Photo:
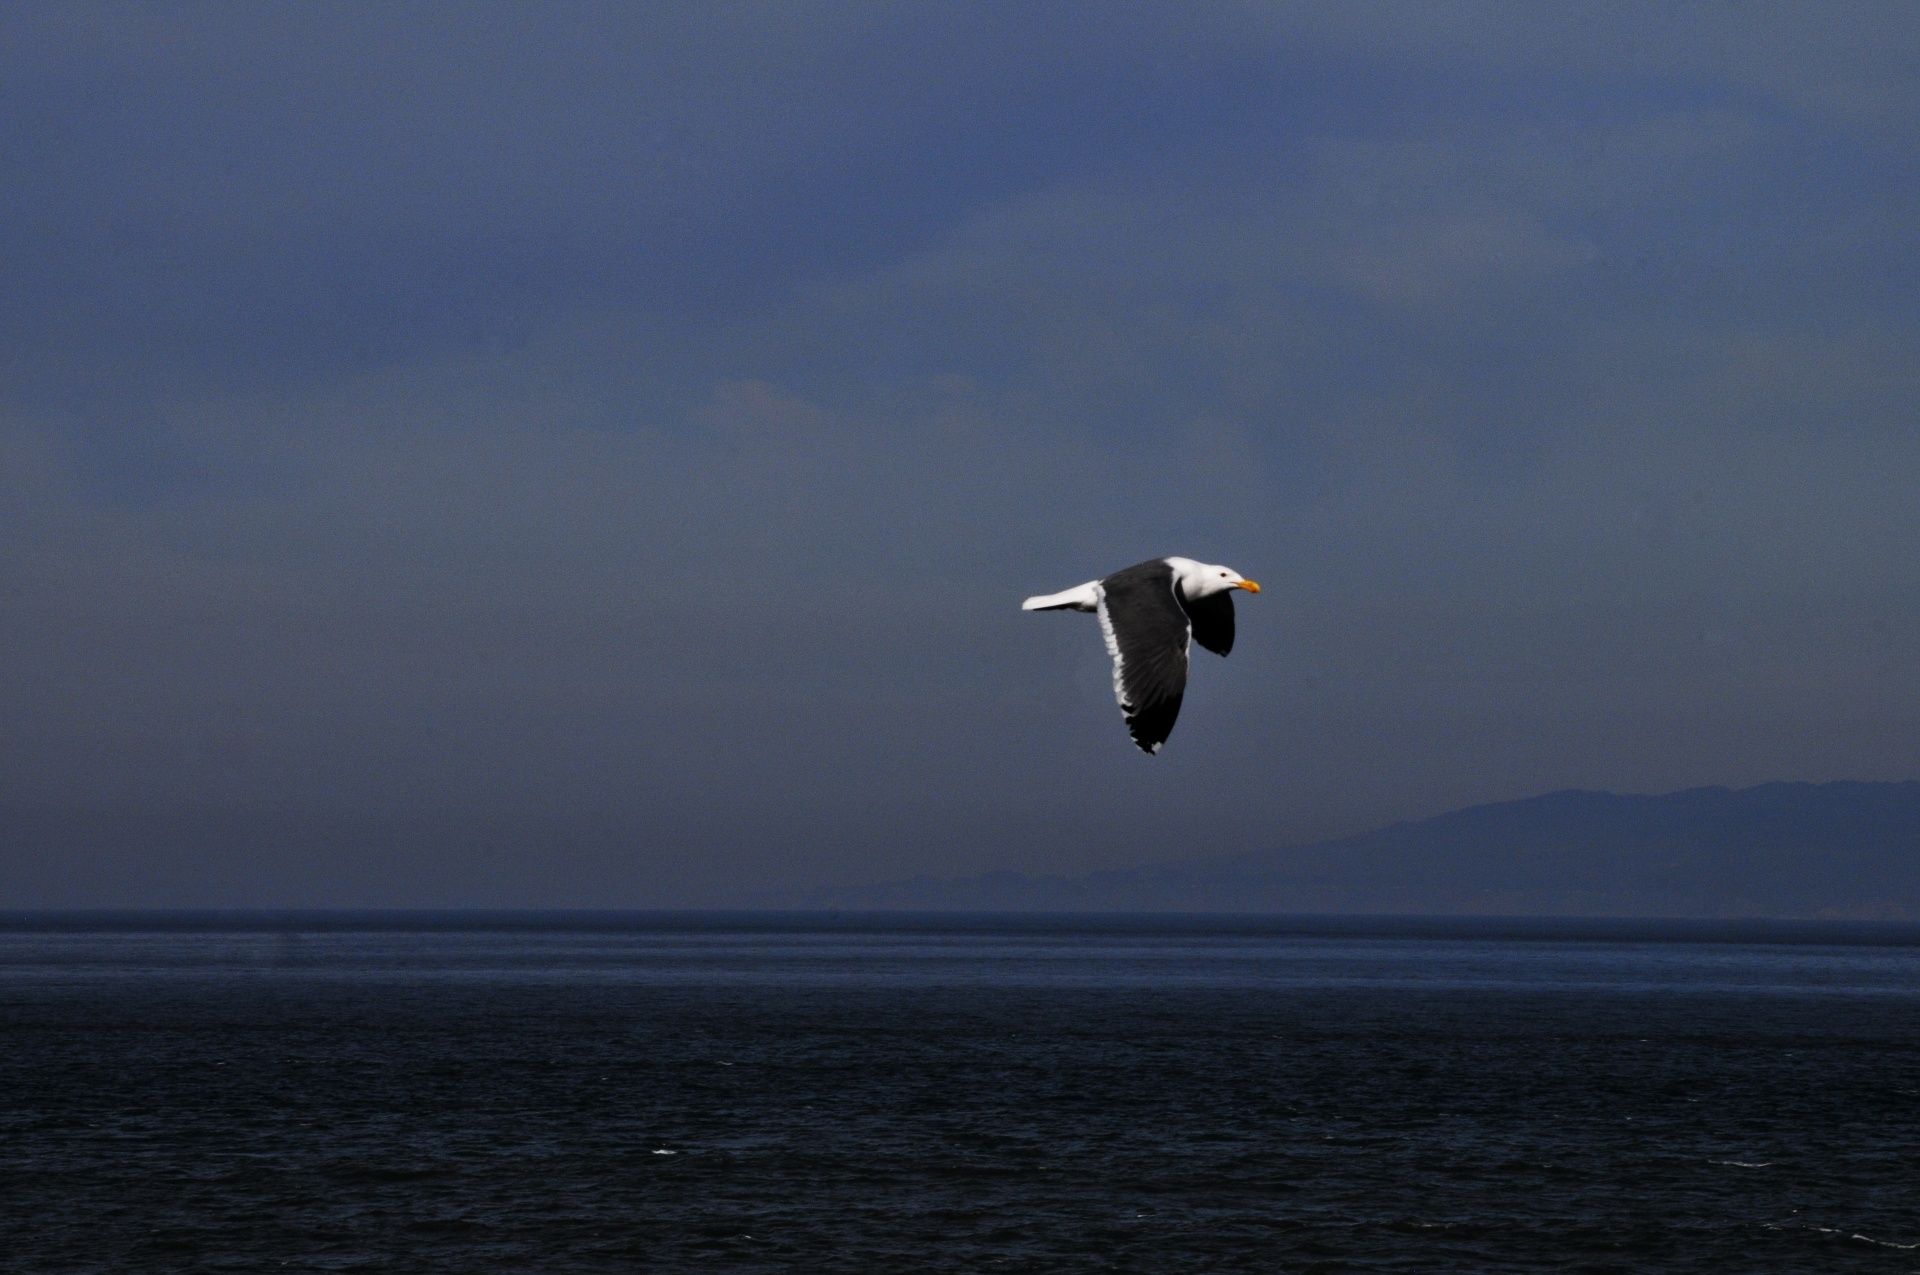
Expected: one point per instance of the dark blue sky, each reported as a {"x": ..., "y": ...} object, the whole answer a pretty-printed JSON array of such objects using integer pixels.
[{"x": 654, "y": 415}]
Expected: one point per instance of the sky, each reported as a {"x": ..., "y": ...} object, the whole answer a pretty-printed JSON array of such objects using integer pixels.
[{"x": 609, "y": 444}]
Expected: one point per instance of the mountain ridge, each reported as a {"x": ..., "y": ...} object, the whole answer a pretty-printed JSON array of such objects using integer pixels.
[{"x": 1844, "y": 849}]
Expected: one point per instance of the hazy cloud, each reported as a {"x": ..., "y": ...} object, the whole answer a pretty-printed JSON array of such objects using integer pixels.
[{"x": 656, "y": 415}]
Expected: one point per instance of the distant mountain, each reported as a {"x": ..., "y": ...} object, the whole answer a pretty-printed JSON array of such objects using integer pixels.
[{"x": 1778, "y": 850}]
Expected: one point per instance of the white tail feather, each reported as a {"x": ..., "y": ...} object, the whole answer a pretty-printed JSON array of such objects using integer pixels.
[{"x": 1082, "y": 597}]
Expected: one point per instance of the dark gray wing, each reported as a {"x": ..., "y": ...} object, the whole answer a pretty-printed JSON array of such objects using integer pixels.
[
  {"x": 1147, "y": 634},
  {"x": 1212, "y": 618}
]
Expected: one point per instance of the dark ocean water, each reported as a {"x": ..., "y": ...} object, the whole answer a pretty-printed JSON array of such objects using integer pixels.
[{"x": 645, "y": 1093}]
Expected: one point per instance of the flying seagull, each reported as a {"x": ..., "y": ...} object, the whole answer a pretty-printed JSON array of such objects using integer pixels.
[{"x": 1151, "y": 615}]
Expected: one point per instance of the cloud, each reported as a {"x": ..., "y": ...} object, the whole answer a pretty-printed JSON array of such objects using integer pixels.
[{"x": 660, "y": 414}]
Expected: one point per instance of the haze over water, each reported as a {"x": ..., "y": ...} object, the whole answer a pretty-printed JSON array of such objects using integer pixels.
[{"x": 754, "y": 1093}]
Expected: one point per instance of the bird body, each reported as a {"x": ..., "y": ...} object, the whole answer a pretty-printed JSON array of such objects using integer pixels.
[{"x": 1151, "y": 614}]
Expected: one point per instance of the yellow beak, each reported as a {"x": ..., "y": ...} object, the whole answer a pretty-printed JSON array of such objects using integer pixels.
[{"x": 1251, "y": 586}]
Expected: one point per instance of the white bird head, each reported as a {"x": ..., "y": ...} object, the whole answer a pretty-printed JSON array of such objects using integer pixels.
[{"x": 1204, "y": 579}]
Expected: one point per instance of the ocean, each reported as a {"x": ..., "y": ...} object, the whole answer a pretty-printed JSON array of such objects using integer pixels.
[{"x": 755, "y": 1092}]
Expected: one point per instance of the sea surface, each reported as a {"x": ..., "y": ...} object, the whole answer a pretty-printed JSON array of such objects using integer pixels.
[{"x": 754, "y": 1092}]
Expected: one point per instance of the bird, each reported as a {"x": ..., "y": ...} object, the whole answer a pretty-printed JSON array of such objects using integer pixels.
[{"x": 1151, "y": 614}]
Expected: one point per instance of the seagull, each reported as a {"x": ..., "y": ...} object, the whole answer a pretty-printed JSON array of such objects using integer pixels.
[{"x": 1151, "y": 614}]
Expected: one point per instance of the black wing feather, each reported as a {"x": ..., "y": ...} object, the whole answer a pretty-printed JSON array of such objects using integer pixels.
[
  {"x": 1212, "y": 618},
  {"x": 1148, "y": 633}
]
